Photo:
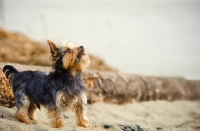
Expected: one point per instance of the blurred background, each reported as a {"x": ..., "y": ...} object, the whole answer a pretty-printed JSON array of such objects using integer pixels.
[{"x": 156, "y": 38}]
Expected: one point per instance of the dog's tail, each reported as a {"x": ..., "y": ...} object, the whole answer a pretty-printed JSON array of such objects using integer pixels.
[{"x": 9, "y": 71}]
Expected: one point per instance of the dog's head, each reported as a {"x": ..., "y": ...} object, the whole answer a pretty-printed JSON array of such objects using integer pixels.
[{"x": 69, "y": 56}]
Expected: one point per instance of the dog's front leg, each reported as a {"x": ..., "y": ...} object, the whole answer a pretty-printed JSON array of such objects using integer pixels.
[
  {"x": 79, "y": 109},
  {"x": 56, "y": 117}
]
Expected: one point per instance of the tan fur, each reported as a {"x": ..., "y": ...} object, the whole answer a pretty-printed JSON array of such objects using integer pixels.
[
  {"x": 22, "y": 116},
  {"x": 81, "y": 119},
  {"x": 22, "y": 113},
  {"x": 67, "y": 60},
  {"x": 52, "y": 46},
  {"x": 56, "y": 117},
  {"x": 32, "y": 113}
]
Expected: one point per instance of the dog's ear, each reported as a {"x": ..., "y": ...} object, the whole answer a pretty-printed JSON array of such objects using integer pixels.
[{"x": 52, "y": 47}]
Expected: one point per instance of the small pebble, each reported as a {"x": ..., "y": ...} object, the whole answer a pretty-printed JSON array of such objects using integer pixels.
[
  {"x": 158, "y": 128},
  {"x": 107, "y": 126}
]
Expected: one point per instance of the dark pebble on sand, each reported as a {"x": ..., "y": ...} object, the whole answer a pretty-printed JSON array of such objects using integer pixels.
[
  {"x": 158, "y": 128},
  {"x": 107, "y": 126}
]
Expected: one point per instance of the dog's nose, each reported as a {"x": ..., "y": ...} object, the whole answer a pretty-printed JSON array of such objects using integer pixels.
[{"x": 81, "y": 47}]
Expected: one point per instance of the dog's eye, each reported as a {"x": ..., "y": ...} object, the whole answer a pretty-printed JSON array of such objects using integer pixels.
[{"x": 68, "y": 50}]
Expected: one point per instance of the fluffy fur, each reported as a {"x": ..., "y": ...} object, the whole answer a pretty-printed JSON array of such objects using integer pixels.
[{"x": 58, "y": 91}]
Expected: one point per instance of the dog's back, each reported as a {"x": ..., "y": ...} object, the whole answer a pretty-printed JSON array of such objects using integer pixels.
[{"x": 22, "y": 79}]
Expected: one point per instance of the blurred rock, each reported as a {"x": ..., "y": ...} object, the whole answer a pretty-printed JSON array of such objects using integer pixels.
[
  {"x": 18, "y": 48},
  {"x": 6, "y": 95},
  {"x": 118, "y": 87}
]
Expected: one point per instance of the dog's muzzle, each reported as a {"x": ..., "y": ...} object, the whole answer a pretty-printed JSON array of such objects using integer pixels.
[{"x": 81, "y": 52}]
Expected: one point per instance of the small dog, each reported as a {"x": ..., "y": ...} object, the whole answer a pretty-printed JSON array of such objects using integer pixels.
[{"x": 61, "y": 89}]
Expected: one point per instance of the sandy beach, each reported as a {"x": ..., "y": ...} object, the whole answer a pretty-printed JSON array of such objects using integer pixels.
[{"x": 150, "y": 116}]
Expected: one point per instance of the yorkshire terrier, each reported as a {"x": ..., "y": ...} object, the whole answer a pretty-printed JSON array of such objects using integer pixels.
[{"x": 61, "y": 89}]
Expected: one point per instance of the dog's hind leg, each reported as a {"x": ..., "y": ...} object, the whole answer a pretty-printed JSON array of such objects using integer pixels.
[
  {"x": 32, "y": 113},
  {"x": 56, "y": 117},
  {"x": 22, "y": 104},
  {"x": 81, "y": 119}
]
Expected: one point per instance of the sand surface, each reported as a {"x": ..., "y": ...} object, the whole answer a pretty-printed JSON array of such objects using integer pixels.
[{"x": 150, "y": 116}]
